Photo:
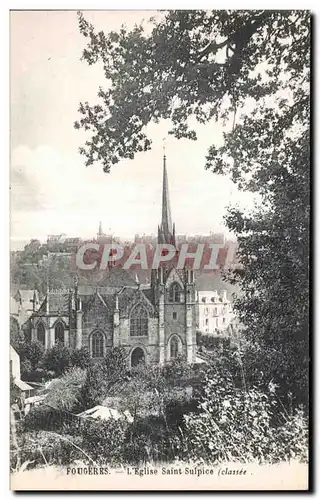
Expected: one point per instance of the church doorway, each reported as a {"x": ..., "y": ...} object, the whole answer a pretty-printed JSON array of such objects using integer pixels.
[{"x": 137, "y": 357}]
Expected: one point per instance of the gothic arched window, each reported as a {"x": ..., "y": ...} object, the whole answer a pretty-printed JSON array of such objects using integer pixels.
[
  {"x": 97, "y": 345},
  {"x": 137, "y": 357},
  {"x": 41, "y": 334},
  {"x": 175, "y": 292},
  {"x": 139, "y": 322},
  {"x": 59, "y": 333},
  {"x": 174, "y": 347}
]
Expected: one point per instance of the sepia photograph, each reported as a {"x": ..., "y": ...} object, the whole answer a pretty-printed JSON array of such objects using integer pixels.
[{"x": 159, "y": 250}]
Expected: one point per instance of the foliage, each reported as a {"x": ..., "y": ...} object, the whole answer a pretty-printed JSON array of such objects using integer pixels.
[
  {"x": 212, "y": 342},
  {"x": 148, "y": 441},
  {"x": 80, "y": 357},
  {"x": 159, "y": 391},
  {"x": 32, "y": 351},
  {"x": 104, "y": 377},
  {"x": 104, "y": 440},
  {"x": 43, "y": 417},
  {"x": 202, "y": 64},
  {"x": 114, "y": 367},
  {"x": 25, "y": 368},
  {"x": 252, "y": 365},
  {"x": 40, "y": 448},
  {"x": 92, "y": 392},
  {"x": 15, "y": 332},
  {"x": 249, "y": 70},
  {"x": 32, "y": 267},
  {"x": 57, "y": 359},
  {"x": 38, "y": 375},
  {"x": 65, "y": 392},
  {"x": 240, "y": 425}
]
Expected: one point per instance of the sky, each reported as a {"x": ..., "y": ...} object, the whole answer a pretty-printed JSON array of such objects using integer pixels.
[{"x": 52, "y": 191}]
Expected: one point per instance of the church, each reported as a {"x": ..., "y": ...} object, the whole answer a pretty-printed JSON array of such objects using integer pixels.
[{"x": 154, "y": 323}]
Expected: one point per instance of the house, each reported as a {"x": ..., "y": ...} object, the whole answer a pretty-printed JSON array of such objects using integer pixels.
[
  {"x": 24, "y": 388},
  {"x": 215, "y": 312}
]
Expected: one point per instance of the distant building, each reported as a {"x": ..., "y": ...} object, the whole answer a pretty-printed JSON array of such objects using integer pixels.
[
  {"x": 22, "y": 305},
  {"x": 214, "y": 312},
  {"x": 100, "y": 234},
  {"x": 27, "y": 300}
]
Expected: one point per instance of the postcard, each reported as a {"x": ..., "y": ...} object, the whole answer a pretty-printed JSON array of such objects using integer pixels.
[{"x": 159, "y": 250}]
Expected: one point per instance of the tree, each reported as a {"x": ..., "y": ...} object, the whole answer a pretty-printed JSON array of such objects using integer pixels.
[
  {"x": 114, "y": 368},
  {"x": 250, "y": 70},
  {"x": 92, "y": 392},
  {"x": 104, "y": 378},
  {"x": 30, "y": 351}
]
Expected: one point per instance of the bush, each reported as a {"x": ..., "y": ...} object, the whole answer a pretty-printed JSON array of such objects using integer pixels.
[
  {"x": 43, "y": 417},
  {"x": 31, "y": 351},
  {"x": 149, "y": 440},
  {"x": 92, "y": 391},
  {"x": 25, "y": 368},
  {"x": 65, "y": 393},
  {"x": 239, "y": 425},
  {"x": 41, "y": 448},
  {"x": 104, "y": 440},
  {"x": 80, "y": 357},
  {"x": 39, "y": 375},
  {"x": 57, "y": 359},
  {"x": 103, "y": 378}
]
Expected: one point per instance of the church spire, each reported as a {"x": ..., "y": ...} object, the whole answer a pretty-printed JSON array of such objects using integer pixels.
[
  {"x": 165, "y": 230},
  {"x": 166, "y": 211}
]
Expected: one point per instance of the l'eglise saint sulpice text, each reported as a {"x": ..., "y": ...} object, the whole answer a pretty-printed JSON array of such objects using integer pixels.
[{"x": 170, "y": 471}]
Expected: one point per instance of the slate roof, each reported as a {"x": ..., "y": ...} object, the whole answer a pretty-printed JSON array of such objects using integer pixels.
[
  {"x": 116, "y": 277},
  {"x": 25, "y": 298},
  {"x": 213, "y": 281},
  {"x": 58, "y": 303},
  {"x": 149, "y": 294},
  {"x": 126, "y": 297}
]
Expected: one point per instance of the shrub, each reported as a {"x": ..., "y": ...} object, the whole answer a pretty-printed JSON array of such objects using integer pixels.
[
  {"x": 41, "y": 448},
  {"x": 65, "y": 392},
  {"x": 80, "y": 357},
  {"x": 31, "y": 351},
  {"x": 57, "y": 359},
  {"x": 104, "y": 440},
  {"x": 239, "y": 425},
  {"x": 92, "y": 391},
  {"x": 43, "y": 417},
  {"x": 149, "y": 440},
  {"x": 38, "y": 375},
  {"x": 25, "y": 368},
  {"x": 103, "y": 378}
]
